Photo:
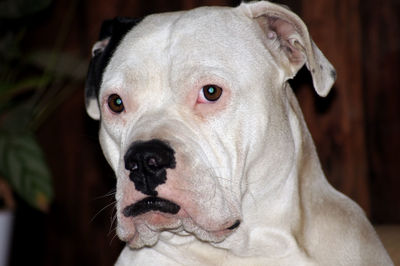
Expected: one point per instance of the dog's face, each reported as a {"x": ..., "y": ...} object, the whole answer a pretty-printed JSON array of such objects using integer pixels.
[{"x": 185, "y": 101}]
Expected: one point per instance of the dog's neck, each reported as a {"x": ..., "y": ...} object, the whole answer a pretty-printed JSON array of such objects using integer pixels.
[{"x": 265, "y": 230}]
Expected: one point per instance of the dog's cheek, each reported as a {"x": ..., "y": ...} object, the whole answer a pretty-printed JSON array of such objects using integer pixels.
[
  {"x": 110, "y": 147},
  {"x": 125, "y": 195}
]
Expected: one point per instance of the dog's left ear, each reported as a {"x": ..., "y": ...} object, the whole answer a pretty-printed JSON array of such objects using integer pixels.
[
  {"x": 288, "y": 39},
  {"x": 111, "y": 34}
]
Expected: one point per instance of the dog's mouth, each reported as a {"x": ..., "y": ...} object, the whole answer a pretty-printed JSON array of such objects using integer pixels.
[
  {"x": 151, "y": 204},
  {"x": 152, "y": 215}
]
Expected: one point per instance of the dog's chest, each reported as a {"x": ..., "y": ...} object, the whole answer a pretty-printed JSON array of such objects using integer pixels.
[{"x": 198, "y": 253}]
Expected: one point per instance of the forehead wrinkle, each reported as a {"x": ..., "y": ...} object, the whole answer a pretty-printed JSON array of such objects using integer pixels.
[{"x": 218, "y": 48}]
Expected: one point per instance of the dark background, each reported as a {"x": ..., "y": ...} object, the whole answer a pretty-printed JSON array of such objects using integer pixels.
[{"x": 356, "y": 128}]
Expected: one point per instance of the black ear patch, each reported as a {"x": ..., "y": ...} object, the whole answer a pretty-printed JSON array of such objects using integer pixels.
[{"x": 111, "y": 34}]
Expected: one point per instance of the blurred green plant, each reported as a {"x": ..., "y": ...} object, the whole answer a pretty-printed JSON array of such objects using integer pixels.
[{"x": 32, "y": 85}]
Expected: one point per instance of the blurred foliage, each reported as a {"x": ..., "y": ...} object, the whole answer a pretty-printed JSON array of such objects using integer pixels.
[
  {"x": 32, "y": 85},
  {"x": 12, "y": 9}
]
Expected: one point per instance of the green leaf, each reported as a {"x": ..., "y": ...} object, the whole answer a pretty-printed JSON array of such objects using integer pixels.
[
  {"x": 23, "y": 165},
  {"x": 16, "y": 119},
  {"x": 61, "y": 64},
  {"x": 10, "y": 45},
  {"x": 12, "y": 9},
  {"x": 8, "y": 90}
]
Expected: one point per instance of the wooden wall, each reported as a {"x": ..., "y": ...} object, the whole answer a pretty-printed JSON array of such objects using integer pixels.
[
  {"x": 356, "y": 128},
  {"x": 338, "y": 129},
  {"x": 380, "y": 47}
]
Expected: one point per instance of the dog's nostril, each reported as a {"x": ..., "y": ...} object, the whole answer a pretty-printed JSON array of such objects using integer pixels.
[
  {"x": 134, "y": 166},
  {"x": 152, "y": 162}
]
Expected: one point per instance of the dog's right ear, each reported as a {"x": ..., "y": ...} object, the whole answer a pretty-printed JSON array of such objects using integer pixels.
[
  {"x": 111, "y": 34},
  {"x": 288, "y": 39}
]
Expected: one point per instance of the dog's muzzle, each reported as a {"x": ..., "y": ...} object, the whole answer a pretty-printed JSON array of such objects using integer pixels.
[{"x": 147, "y": 162}]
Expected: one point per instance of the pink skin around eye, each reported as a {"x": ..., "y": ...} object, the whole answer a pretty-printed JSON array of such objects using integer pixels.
[{"x": 201, "y": 98}]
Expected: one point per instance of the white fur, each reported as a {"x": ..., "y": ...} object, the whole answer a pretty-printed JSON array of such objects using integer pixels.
[{"x": 247, "y": 157}]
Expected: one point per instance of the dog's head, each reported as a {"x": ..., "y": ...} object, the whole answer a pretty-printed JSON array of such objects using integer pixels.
[{"x": 186, "y": 102}]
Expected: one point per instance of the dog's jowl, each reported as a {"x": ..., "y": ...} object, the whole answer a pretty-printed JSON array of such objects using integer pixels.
[{"x": 214, "y": 162}]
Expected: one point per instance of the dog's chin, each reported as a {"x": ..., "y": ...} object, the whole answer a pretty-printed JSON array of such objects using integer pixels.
[{"x": 145, "y": 229}]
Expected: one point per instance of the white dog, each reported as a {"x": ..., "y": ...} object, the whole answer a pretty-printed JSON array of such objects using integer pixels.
[{"x": 214, "y": 162}]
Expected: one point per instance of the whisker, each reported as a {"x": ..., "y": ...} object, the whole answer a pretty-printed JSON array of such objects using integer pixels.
[
  {"x": 115, "y": 235},
  {"x": 105, "y": 207},
  {"x": 109, "y": 194},
  {"x": 113, "y": 219}
]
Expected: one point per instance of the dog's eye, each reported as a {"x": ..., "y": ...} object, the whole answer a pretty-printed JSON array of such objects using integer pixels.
[
  {"x": 115, "y": 103},
  {"x": 210, "y": 93}
]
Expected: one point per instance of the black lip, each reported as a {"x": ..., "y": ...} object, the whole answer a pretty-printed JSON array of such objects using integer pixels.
[
  {"x": 151, "y": 204},
  {"x": 235, "y": 225}
]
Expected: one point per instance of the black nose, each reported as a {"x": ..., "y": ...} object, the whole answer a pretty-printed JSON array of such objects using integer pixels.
[{"x": 147, "y": 162}]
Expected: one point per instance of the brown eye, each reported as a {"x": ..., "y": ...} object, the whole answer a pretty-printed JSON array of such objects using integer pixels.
[
  {"x": 212, "y": 92},
  {"x": 115, "y": 103}
]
